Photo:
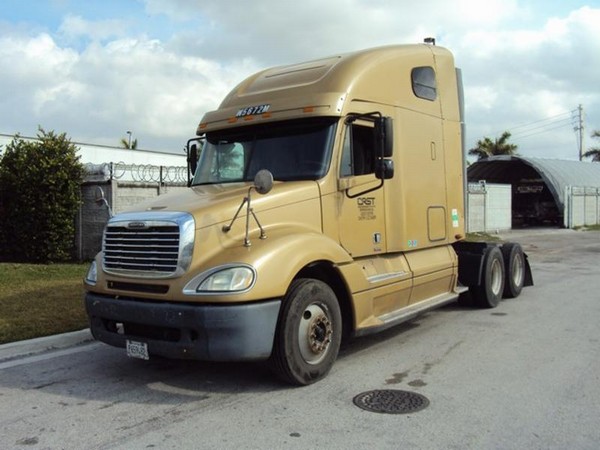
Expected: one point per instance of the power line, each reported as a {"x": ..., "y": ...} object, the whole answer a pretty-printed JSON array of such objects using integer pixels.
[
  {"x": 543, "y": 129},
  {"x": 573, "y": 119},
  {"x": 541, "y": 125},
  {"x": 547, "y": 119}
]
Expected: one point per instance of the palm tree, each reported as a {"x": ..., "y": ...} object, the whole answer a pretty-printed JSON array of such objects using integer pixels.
[
  {"x": 593, "y": 152},
  {"x": 486, "y": 147},
  {"x": 125, "y": 143}
]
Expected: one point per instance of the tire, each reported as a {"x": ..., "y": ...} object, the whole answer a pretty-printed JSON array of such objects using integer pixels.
[
  {"x": 466, "y": 300},
  {"x": 308, "y": 334},
  {"x": 489, "y": 293},
  {"x": 514, "y": 267}
]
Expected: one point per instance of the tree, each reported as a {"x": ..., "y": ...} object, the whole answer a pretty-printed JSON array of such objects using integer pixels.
[
  {"x": 500, "y": 146},
  {"x": 593, "y": 152},
  {"x": 125, "y": 144},
  {"x": 39, "y": 196}
]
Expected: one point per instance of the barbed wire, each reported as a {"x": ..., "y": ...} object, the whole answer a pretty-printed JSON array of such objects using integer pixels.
[{"x": 147, "y": 173}]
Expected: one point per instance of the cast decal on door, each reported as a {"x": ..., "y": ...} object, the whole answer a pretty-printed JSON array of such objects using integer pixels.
[{"x": 366, "y": 208}]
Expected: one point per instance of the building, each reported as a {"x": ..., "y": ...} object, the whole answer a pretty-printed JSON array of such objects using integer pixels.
[
  {"x": 549, "y": 192},
  {"x": 105, "y": 154}
]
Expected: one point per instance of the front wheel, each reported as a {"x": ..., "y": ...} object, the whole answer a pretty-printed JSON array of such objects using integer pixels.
[{"x": 308, "y": 334}]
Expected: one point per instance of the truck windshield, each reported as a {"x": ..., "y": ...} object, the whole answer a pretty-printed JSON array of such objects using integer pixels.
[{"x": 291, "y": 150}]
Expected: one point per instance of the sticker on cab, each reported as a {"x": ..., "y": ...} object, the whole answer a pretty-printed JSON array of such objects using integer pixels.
[{"x": 455, "y": 218}]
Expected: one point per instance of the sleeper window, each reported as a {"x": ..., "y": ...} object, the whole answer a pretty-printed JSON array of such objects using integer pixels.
[{"x": 423, "y": 83}]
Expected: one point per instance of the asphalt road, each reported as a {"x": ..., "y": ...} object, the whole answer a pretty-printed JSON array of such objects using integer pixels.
[{"x": 525, "y": 375}]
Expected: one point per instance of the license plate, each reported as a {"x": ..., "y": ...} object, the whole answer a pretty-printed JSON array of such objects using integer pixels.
[{"x": 137, "y": 350}]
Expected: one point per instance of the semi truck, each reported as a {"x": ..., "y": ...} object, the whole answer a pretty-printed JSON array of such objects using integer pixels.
[{"x": 325, "y": 202}]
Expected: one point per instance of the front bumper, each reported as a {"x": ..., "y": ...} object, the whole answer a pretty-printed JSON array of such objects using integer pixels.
[{"x": 205, "y": 332}]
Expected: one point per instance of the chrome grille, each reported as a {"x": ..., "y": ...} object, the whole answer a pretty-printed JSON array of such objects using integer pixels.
[
  {"x": 148, "y": 244},
  {"x": 153, "y": 249}
]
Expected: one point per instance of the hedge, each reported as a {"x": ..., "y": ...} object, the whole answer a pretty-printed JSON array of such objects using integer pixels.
[{"x": 39, "y": 198}]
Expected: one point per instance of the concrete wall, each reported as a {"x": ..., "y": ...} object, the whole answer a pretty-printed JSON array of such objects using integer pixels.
[
  {"x": 582, "y": 206},
  {"x": 489, "y": 207}
]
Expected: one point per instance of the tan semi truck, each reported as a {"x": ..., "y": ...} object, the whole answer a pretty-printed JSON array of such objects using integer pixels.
[{"x": 326, "y": 201}]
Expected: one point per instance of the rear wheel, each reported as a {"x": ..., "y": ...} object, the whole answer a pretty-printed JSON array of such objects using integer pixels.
[
  {"x": 489, "y": 293},
  {"x": 466, "y": 299},
  {"x": 514, "y": 266},
  {"x": 308, "y": 334}
]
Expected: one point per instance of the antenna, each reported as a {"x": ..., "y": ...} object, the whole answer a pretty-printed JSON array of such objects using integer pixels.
[{"x": 429, "y": 40}]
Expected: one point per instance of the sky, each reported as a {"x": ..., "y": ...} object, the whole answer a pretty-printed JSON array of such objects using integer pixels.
[{"x": 96, "y": 69}]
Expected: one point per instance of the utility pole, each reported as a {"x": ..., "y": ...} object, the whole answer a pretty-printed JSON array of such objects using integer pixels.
[{"x": 580, "y": 129}]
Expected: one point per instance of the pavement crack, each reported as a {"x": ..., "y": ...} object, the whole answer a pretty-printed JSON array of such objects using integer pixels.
[{"x": 45, "y": 385}]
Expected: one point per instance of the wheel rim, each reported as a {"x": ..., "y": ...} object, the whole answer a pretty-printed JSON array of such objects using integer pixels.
[
  {"x": 496, "y": 273},
  {"x": 517, "y": 270},
  {"x": 314, "y": 333}
]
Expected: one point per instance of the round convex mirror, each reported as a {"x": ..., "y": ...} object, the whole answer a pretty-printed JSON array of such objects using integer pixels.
[{"x": 263, "y": 181}]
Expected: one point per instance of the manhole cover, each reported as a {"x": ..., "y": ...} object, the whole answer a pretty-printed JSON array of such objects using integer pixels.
[{"x": 391, "y": 401}]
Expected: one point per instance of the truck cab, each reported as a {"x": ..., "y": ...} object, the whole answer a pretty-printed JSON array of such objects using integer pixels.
[{"x": 326, "y": 201}]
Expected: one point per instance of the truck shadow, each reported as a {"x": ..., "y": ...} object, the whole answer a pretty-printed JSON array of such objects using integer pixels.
[{"x": 96, "y": 372}]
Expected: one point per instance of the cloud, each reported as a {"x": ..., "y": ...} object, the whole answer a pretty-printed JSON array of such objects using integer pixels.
[
  {"x": 37, "y": 72},
  {"x": 282, "y": 31},
  {"x": 74, "y": 27},
  {"x": 534, "y": 74},
  {"x": 99, "y": 93},
  {"x": 95, "y": 79},
  {"x": 179, "y": 10}
]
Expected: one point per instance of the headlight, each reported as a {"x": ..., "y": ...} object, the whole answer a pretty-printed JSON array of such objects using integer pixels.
[
  {"x": 224, "y": 279},
  {"x": 92, "y": 275}
]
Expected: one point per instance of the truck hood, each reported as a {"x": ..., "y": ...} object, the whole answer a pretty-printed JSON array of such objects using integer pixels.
[{"x": 218, "y": 203}]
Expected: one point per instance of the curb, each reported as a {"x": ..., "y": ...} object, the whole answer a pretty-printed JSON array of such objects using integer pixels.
[{"x": 30, "y": 347}]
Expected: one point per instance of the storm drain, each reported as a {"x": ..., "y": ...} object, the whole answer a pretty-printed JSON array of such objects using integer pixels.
[{"x": 391, "y": 401}]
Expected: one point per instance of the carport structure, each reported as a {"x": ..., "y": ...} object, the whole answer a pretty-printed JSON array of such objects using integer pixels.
[{"x": 545, "y": 191}]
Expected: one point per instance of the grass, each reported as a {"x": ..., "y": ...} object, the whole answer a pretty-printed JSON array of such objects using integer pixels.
[{"x": 40, "y": 300}]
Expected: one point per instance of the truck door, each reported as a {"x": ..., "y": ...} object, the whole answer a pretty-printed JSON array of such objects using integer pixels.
[{"x": 362, "y": 221}]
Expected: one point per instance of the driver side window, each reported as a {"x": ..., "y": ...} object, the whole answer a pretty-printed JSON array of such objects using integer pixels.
[
  {"x": 358, "y": 153},
  {"x": 228, "y": 163}
]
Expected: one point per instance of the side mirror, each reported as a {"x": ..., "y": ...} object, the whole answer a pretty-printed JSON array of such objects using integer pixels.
[
  {"x": 263, "y": 181},
  {"x": 384, "y": 135},
  {"x": 192, "y": 158},
  {"x": 384, "y": 169},
  {"x": 193, "y": 149}
]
